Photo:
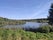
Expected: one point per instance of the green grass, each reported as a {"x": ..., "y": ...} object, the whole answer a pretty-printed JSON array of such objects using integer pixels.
[{"x": 18, "y": 34}]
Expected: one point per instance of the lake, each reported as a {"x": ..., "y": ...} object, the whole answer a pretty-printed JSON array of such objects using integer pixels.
[{"x": 27, "y": 25}]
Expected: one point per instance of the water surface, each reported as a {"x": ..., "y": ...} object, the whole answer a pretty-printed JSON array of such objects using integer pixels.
[{"x": 27, "y": 25}]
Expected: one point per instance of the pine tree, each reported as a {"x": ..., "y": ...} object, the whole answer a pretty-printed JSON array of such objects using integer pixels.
[{"x": 51, "y": 15}]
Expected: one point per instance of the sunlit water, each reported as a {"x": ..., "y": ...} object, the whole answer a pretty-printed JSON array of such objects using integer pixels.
[{"x": 27, "y": 25}]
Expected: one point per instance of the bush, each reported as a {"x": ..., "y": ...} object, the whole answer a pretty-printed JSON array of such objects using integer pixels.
[
  {"x": 51, "y": 29},
  {"x": 44, "y": 29}
]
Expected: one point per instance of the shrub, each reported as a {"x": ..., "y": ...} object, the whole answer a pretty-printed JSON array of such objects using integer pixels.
[
  {"x": 44, "y": 29},
  {"x": 51, "y": 29}
]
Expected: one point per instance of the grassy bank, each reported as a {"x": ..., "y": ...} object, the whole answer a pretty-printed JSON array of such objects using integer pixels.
[{"x": 18, "y": 34}]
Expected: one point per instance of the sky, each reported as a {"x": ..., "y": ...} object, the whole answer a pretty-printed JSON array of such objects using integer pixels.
[{"x": 24, "y": 9}]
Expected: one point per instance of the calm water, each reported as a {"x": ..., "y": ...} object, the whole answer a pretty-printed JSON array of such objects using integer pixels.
[{"x": 27, "y": 25}]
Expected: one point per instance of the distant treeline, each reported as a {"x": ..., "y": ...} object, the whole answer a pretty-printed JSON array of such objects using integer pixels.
[
  {"x": 6, "y": 21},
  {"x": 37, "y": 20}
]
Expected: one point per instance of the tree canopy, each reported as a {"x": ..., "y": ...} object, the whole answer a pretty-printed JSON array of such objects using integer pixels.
[{"x": 51, "y": 15}]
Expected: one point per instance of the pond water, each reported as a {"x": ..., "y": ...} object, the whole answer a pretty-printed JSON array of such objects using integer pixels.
[
  {"x": 27, "y": 25},
  {"x": 34, "y": 25}
]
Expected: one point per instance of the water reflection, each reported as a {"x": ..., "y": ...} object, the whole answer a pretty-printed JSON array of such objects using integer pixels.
[
  {"x": 27, "y": 25},
  {"x": 33, "y": 25}
]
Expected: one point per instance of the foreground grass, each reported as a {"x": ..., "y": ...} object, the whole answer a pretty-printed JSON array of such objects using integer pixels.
[{"x": 14, "y": 34}]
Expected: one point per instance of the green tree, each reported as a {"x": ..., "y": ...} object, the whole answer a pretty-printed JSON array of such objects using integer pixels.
[{"x": 51, "y": 15}]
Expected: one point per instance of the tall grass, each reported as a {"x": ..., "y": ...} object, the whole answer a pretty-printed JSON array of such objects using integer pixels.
[{"x": 18, "y": 34}]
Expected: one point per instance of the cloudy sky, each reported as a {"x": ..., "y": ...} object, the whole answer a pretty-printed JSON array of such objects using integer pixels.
[{"x": 24, "y": 9}]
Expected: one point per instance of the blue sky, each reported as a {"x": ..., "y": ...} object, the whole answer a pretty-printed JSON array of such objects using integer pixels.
[{"x": 24, "y": 9}]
